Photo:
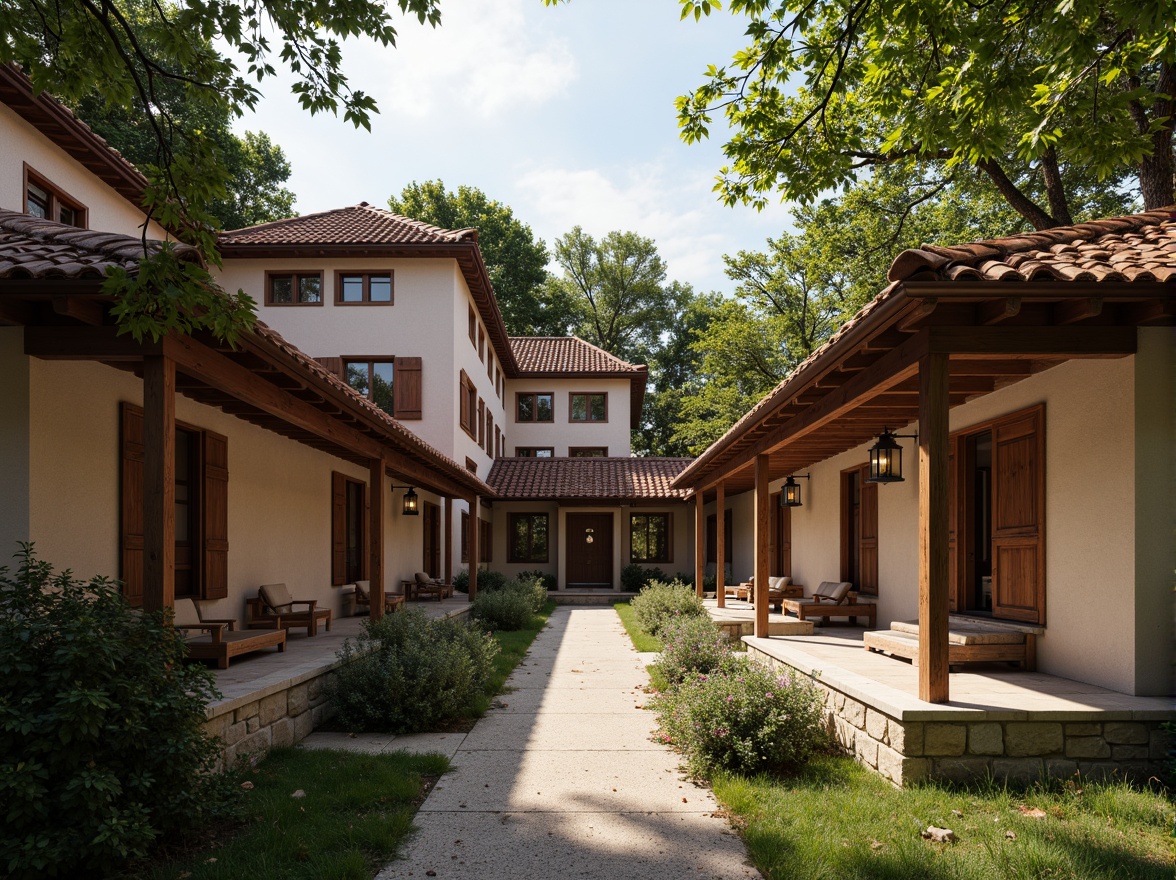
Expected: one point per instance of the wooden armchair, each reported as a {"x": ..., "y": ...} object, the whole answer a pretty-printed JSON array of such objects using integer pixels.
[
  {"x": 431, "y": 586},
  {"x": 274, "y": 607},
  {"x": 220, "y": 640},
  {"x": 832, "y": 599},
  {"x": 363, "y": 598}
]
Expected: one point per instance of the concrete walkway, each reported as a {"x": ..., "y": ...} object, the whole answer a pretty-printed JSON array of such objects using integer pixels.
[{"x": 561, "y": 779}]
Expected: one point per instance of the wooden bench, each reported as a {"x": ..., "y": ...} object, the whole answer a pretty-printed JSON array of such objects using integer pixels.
[
  {"x": 965, "y": 644},
  {"x": 805, "y": 609}
]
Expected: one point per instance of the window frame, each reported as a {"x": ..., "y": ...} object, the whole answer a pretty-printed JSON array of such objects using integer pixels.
[
  {"x": 348, "y": 360},
  {"x": 519, "y": 395},
  {"x": 367, "y": 275},
  {"x": 667, "y": 550},
  {"x": 467, "y": 404},
  {"x": 520, "y": 451},
  {"x": 512, "y": 518},
  {"x": 57, "y": 197},
  {"x": 295, "y": 274},
  {"x": 473, "y": 320},
  {"x": 586, "y": 451},
  {"x": 588, "y": 409}
]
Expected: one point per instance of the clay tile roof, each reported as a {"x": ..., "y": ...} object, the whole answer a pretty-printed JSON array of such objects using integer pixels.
[
  {"x": 34, "y": 248},
  {"x": 1141, "y": 247},
  {"x": 604, "y": 478},
  {"x": 355, "y": 225},
  {"x": 565, "y": 354}
]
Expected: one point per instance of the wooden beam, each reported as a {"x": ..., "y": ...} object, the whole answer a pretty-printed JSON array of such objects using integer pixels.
[
  {"x": 1067, "y": 341},
  {"x": 997, "y": 310},
  {"x": 763, "y": 548},
  {"x": 159, "y": 483},
  {"x": 909, "y": 322},
  {"x": 699, "y": 542},
  {"x": 88, "y": 311},
  {"x": 1074, "y": 310},
  {"x": 473, "y": 539},
  {"x": 720, "y": 544},
  {"x": 376, "y": 505},
  {"x": 447, "y": 512},
  {"x": 933, "y": 528},
  {"x": 86, "y": 344}
]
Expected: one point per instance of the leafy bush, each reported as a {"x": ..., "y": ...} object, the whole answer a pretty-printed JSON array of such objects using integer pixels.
[
  {"x": 548, "y": 580},
  {"x": 510, "y": 608},
  {"x": 660, "y": 603},
  {"x": 406, "y": 673},
  {"x": 743, "y": 717},
  {"x": 487, "y": 580},
  {"x": 102, "y": 743},
  {"x": 461, "y": 581},
  {"x": 636, "y": 577},
  {"x": 691, "y": 645}
]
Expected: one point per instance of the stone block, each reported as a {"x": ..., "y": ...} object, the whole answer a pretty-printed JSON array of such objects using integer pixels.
[
  {"x": 246, "y": 711},
  {"x": 1059, "y": 768},
  {"x": 838, "y": 700},
  {"x": 314, "y": 687},
  {"x": 876, "y": 725},
  {"x": 257, "y": 743},
  {"x": 1098, "y": 770},
  {"x": 235, "y": 733},
  {"x": 845, "y": 733},
  {"x": 959, "y": 769},
  {"x": 215, "y": 727},
  {"x": 866, "y": 750},
  {"x": 1129, "y": 753},
  {"x": 905, "y": 737},
  {"x": 944, "y": 739},
  {"x": 1158, "y": 745},
  {"x": 855, "y": 713},
  {"x": 985, "y": 738},
  {"x": 1033, "y": 738},
  {"x": 1125, "y": 733},
  {"x": 253, "y": 724},
  {"x": 303, "y": 725},
  {"x": 1018, "y": 771},
  {"x": 297, "y": 700},
  {"x": 273, "y": 707},
  {"x": 1091, "y": 747},
  {"x": 282, "y": 733},
  {"x": 900, "y": 769},
  {"x": 1089, "y": 728}
]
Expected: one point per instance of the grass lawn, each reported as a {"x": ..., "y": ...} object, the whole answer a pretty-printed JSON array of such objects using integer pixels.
[
  {"x": 355, "y": 812},
  {"x": 642, "y": 640},
  {"x": 838, "y": 820}
]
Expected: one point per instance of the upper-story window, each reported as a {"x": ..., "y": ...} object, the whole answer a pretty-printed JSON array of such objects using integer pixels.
[
  {"x": 587, "y": 452},
  {"x": 293, "y": 288},
  {"x": 473, "y": 327},
  {"x": 468, "y": 402},
  {"x": 373, "y": 379},
  {"x": 43, "y": 199},
  {"x": 535, "y": 407},
  {"x": 481, "y": 344},
  {"x": 534, "y": 452},
  {"x": 363, "y": 288},
  {"x": 589, "y": 408}
]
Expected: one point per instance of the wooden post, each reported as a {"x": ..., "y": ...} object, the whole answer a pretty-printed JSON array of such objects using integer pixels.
[
  {"x": 376, "y": 536},
  {"x": 933, "y": 514},
  {"x": 475, "y": 551},
  {"x": 699, "y": 543},
  {"x": 159, "y": 483},
  {"x": 720, "y": 545},
  {"x": 763, "y": 546},
  {"x": 447, "y": 512}
]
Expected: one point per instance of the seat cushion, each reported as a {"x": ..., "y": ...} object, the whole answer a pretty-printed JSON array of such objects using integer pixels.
[
  {"x": 833, "y": 590},
  {"x": 779, "y": 583},
  {"x": 186, "y": 613},
  {"x": 277, "y": 597},
  {"x": 363, "y": 591}
]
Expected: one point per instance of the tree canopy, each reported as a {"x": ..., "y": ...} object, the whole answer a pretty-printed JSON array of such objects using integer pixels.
[
  {"x": 1042, "y": 101},
  {"x": 515, "y": 259}
]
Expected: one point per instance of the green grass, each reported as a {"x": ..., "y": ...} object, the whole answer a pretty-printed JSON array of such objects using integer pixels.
[
  {"x": 839, "y": 820},
  {"x": 514, "y": 647},
  {"x": 642, "y": 640},
  {"x": 356, "y": 811}
]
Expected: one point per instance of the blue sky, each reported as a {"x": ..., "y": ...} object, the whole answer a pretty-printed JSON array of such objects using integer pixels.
[{"x": 566, "y": 114}]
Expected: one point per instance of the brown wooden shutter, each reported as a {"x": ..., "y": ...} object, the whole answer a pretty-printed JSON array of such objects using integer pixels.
[
  {"x": 954, "y": 483},
  {"x": 214, "y": 572},
  {"x": 335, "y": 365},
  {"x": 784, "y": 542},
  {"x": 1018, "y": 516},
  {"x": 338, "y": 528},
  {"x": 131, "y": 504},
  {"x": 868, "y": 546},
  {"x": 406, "y": 385}
]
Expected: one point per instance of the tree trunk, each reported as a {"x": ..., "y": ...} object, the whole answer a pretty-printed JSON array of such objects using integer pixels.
[
  {"x": 1017, "y": 200},
  {"x": 1059, "y": 205},
  {"x": 1155, "y": 171}
]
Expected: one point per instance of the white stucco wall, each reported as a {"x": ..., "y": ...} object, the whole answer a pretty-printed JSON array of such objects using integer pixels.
[{"x": 562, "y": 433}]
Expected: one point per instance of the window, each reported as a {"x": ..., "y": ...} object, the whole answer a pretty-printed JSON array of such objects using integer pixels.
[
  {"x": 490, "y": 429},
  {"x": 468, "y": 401},
  {"x": 589, "y": 407},
  {"x": 471, "y": 465},
  {"x": 348, "y": 511},
  {"x": 481, "y": 426},
  {"x": 587, "y": 452},
  {"x": 528, "y": 537},
  {"x": 473, "y": 319},
  {"x": 293, "y": 288},
  {"x": 497, "y": 441},
  {"x": 651, "y": 537},
  {"x": 363, "y": 288},
  {"x": 490, "y": 370},
  {"x": 537, "y": 407},
  {"x": 485, "y": 541},
  {"x": 534, "y": 452},
  {"x": 44, "y": 200},
  {"x": 373, "y": 379}
]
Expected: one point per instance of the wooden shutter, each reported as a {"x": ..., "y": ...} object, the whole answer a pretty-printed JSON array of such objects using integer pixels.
[
  {"x": 868, "y": 544},
  {"x": 954, "y": 502},
  {"x": 463, "y": 401},
  {"x": 406, "y": 387},
  {"x": 335, "y": 365},
  {"x": 338, "y": 528},
  {"x": 131, "y": 504},
  {"x": 784, "y": 542},
  {"x": 669, "y": 537},
  {"x": 1018, "y": 516},
  {"x": 485, "y": 540},
  {"x": 214, "y": 570}
]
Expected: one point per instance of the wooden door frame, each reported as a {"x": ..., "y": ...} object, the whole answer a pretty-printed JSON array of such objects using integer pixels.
[{"x": 570, "y": 557}]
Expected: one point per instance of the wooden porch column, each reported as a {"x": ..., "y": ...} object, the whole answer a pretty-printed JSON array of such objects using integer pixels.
[
  {"x": 720, "y": 544},
  {"x": 447, "y": 512},
  {"x": 699, "y": 543},
  {"x": 933, "y": 513},
  {"x": 763, "y": 545},
  {"x": 376, "y": 536},
  {"x": 475, "y": 552},
  {"x": 159, "y": 483}
]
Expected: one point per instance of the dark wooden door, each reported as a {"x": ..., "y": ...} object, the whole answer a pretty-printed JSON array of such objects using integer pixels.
[
  {"x": 1018, "y": 517},
  {"x": 590, "y": 550},
  {"x": 432, "y": 549},
  {"x": 859, "y": 530}
]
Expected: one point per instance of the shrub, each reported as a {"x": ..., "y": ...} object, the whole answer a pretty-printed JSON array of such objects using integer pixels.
[
  {"x": 461, "y": 581},
  {"x": 102, "y": 743},
  {"x": 510, "y": 608},
  {"x": 548, "y": 580},
  {"x": 406, "y": 673},
  {"x": 743, "y": 717},
  {"x": 635, "y": 577},
  {"x": 487, "y": 580},
  {"x": 691, "y": 645},
  {"x": 659, "y": 603}
]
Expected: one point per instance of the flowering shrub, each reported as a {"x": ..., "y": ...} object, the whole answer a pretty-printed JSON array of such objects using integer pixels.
[
  {"x": 660, "y": 603},
  {"x": 742, "y": 717},
  {"x": 691, "y": 645},
  {"x": 511, "y": 607}
]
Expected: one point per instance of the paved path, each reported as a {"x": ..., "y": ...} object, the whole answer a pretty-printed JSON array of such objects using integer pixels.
[{"x": 560, "y": 779}]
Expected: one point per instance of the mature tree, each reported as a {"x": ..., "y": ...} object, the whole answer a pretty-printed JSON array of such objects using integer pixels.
[
  {"x": 1017, "y": 91},
  {"x": 515, "y": 259},
  {"x": 70, "y": 47}
]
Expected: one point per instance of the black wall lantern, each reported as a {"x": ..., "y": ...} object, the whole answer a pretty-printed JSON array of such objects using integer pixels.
[
  {"x": 886, "y": 458},
  {"x": 411, "y": 504},
  {"x": 790, "y": 491}
]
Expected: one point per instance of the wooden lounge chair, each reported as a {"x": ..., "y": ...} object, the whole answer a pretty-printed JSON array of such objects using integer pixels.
[
  {"x": 967, "y": 642},
  {"x": 781, "y": 588},
  {"x": 363, "y": 598},
  {"x": 832, "y": 599},
  {"x": 431, "y": 586},
  {"x": 274, "y": 607},
  {"x": 220, "y": 640}
]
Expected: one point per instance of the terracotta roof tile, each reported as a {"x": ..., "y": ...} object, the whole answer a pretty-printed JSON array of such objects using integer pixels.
[
  {"x": 354, "y": 225},
  {"x": 603, "y": 478},
  {"x": 565, "y": 354}
]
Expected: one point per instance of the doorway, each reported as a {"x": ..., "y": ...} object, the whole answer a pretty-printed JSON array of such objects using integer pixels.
[
  {"x": 859, "y": 530},
  {"x": 431, "y": 557},
  {"x": 590, "y": 550}
]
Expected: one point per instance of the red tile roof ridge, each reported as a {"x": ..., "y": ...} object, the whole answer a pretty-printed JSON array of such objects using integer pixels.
[
  {"x": 613, "y": 477},
  {"x": 435, "y": 233},
  {"x": 525, "y": 352}
]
